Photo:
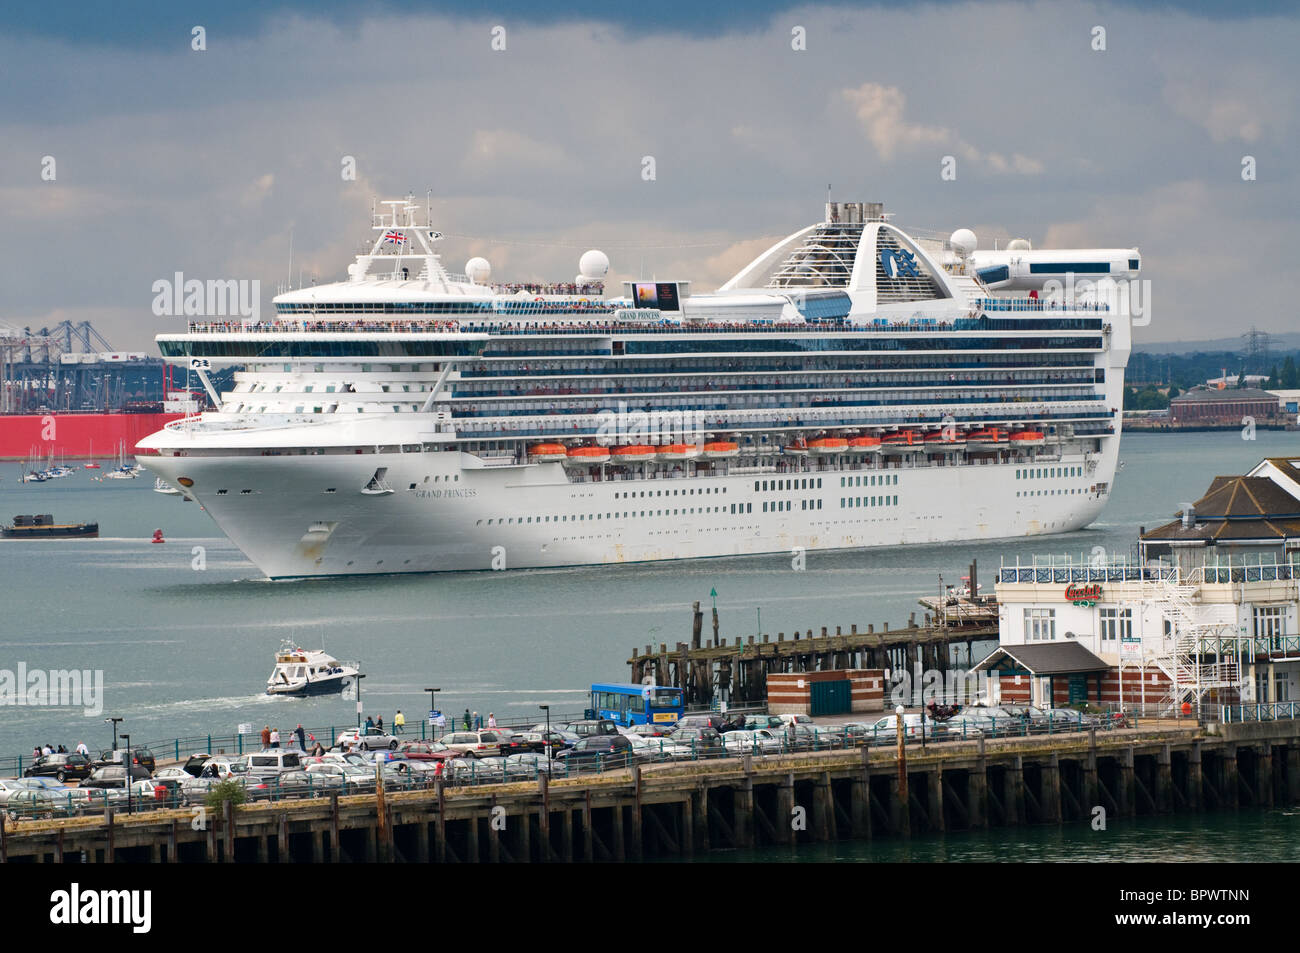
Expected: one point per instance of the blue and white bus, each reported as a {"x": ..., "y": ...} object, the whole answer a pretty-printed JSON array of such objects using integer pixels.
[{"x": 627, "y": 705}]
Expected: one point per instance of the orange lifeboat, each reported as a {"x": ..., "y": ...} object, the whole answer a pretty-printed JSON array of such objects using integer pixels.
[
  {"x": 798, "y": 449},
  {"x": 679, "y": 451},
  {"x": 721, "y": 450},
  {"x": 634, "y": 453},
  {"x": 905, "y": 441},
  {"x": 939, "y": 441},
  {"x": 586, "y": 456},
  {"x": 864, "y": 445},
  {"x": 828, "y": 445},
  {"x": 548, "y": 452},
  {"x": 1028, "y": 438},
  {"x": 989, "y": 438}
]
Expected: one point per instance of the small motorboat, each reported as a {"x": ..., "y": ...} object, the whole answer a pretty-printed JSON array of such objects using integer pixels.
[{"x": 308, "y": 672}]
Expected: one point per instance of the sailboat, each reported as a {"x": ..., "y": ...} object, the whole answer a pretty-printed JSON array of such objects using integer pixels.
[
  {"x": 92, "y": 465},
  {"x": 122, "y": 472}
]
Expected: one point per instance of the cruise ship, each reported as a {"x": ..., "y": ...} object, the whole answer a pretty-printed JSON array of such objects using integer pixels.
[{"x": 856, "y": 385}]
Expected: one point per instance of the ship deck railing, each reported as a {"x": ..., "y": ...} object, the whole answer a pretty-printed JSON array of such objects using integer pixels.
[{"x": 366, "y": 325}]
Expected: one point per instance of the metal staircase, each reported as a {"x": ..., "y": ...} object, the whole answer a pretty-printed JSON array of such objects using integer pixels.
[{"x": 1205, "y": 652}]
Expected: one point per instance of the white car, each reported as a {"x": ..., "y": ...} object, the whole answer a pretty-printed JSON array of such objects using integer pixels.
[
  {"x": 886, "y": 729},
  {"x": 366, "y": 739},
  {"x": 757, "y": 741}
]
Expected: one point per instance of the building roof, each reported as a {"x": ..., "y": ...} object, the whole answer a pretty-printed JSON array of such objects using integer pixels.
[
  {"x": 1207, "y": 394},
  {"x": 1045, "y": 658},
  {"x": 1238, "y": 508}
]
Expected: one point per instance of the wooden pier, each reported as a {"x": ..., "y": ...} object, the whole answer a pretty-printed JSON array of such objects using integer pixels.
[
  {"x": 680, "y": 809},
  {"x": 740, "y": 667}
]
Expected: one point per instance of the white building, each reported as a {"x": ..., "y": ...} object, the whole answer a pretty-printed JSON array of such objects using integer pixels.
[{"x": 1209, "y": 617}]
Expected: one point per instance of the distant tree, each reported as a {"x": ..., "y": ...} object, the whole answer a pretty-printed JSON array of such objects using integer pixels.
[
  {"x": 1173, "y": 392},
  {"x": 1273, "y": 382},
  {"x": 1290, "y": 378}
]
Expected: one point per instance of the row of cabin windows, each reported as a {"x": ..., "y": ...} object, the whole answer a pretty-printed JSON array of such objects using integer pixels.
[
  {"x": 1049, "y": 492},
  {"x": 634, "y": 514},
  {"x": 851, "y": 502},
  {"x": 884, "y": 479},
  {"x": 784, "y": 506},
  {"x": 628, "y": 494},
  {"x": 1038, "y": 473},
  {"x": 810, "y": 483}
]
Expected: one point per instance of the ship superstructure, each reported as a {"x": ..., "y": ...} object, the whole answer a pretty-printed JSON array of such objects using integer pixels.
[{"x": 856, "y": 385}]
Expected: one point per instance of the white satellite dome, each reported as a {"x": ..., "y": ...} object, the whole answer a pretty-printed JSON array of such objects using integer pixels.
[
  {"x": 1019, "y": 244},
  {"x": 593, "y": 264},
  {"x": 963, "y": 242},
  {"x": 478, "y": 270}
]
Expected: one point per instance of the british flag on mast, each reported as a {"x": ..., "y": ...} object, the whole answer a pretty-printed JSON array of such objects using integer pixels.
[{"x": 395, "y": 237}]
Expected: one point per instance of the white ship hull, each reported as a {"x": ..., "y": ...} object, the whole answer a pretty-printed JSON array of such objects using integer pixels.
[{"x": 289, "y": 526}]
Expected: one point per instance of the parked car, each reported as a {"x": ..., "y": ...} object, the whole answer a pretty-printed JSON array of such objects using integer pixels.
[
  {"x": 752, "y": 741},
  {"x": 222, "y": 767},
  {"x": 194, "y": 764},
  {"x": 595, "y": 726},
  {"x": 114, "y": 776},
  {"x": 886, "y": 729},
  {"x": 483, "y": 744},
  {"x": 273, "y": 761},
  {"x": 153, "y": 793},
  {"x": 1062, "y": 718},
  {"x": 425, "y": 751},
  {"x": 141, "y": 756},
  {"x": 64, "y": 767},
  {"x": 769, "y": 722},
  {"x": 702, "y": 742},
  {"x": 598, "y": 753},
  {"x": 526, "y": 766},
  {"x": 367, "y": 739},
  {"x": 651, "y": 730},
  {"x": 352, "y": 778},
  {"x": 714, "y": 720},
  {"x": 474, "y": 770}
]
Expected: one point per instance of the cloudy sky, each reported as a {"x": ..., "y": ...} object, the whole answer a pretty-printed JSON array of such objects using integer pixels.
[{"x": 204, "y": 162}]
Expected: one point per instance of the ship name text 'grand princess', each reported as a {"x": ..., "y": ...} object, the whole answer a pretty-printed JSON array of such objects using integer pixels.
[{"x": 856, "y": 385}]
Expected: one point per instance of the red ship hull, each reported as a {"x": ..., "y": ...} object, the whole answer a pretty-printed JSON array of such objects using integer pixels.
[{"x": 75, "y": 436}]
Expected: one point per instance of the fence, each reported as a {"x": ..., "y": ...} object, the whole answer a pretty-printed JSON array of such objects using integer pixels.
[{"x": 1276, "y": 711}]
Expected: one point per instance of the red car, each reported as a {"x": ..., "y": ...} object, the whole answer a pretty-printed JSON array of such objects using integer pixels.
[{"x": 425, "y": 751}]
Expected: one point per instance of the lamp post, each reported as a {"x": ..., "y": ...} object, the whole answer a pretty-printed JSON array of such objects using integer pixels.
[
  {"x": 550, "y": 748},
  {"x": 359, "y": 677},
  {"x": 433, "y": 706},
  {"x": 904, "y": 808},
  {"x": 130, "y": 775},
  {"x": 114, "y": 721}
]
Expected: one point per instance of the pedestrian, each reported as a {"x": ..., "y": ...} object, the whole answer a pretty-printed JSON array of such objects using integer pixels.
[
  {"x": 266, "y": 737},
  {"x": 36, "y": 752},
  {"x": 399, "y": 722},
  {"x": 380, "y": 723},
  {"x": 302, "y": 738},
  {"x": 370, "y": 722},
  {"x": 492, "y": 720},
  {"x": 82, "y": 749},
  {"x": 275, "y": 737},
  {"x": 478, "y": 721},
  {"x": 47, "y": 750},
  {"x": 62, "y": 750},
  {"x": 468, "y": 725}
]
